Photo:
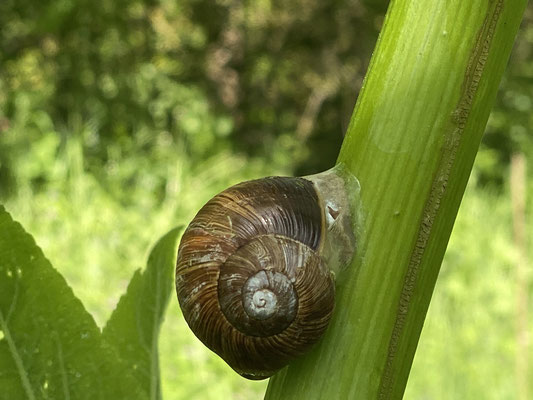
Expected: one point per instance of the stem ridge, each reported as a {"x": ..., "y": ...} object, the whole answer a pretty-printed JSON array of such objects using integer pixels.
[{"x": 473, "y": 73}]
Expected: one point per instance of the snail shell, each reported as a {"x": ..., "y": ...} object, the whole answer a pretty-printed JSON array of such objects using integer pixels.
[{"x": 252, "y": 277}]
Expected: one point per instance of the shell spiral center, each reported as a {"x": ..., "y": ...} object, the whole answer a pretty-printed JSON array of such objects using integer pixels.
[
  {"x": 256, "y": 286},
  {"x": 266, "y": 292}
]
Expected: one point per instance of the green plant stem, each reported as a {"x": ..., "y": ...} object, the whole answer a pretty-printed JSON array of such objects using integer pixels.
[{"x": 411, "y": 143}]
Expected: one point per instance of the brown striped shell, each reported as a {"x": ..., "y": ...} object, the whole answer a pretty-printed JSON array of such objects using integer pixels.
[{"x": 250, "y": 279}]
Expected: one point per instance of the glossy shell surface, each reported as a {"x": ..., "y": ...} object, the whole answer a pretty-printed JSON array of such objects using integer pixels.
[{"x": 250, "y": 279}]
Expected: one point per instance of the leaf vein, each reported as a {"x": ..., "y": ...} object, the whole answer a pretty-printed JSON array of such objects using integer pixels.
[
  {"x": 16, "y": 357},
  {"x": 64, "y": 376}
]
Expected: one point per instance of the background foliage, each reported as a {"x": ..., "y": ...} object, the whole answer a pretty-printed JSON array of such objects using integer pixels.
[{"x": 118, "y": 120}]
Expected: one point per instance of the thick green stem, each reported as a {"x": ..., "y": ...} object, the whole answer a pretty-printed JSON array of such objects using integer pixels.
[{"x": 411, "y": 143}]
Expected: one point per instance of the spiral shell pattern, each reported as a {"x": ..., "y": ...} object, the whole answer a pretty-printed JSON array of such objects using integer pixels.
[{"x": 250, "y": 279}]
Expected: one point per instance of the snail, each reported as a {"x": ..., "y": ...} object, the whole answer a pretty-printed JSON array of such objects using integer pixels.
[{"x": 255, "y": 268}]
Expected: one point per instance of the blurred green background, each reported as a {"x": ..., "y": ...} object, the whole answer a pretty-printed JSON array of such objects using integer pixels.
[{"x": 119, "y": 119}]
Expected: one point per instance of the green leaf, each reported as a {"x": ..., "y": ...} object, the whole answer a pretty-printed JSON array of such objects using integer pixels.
[
  {"x": 133, "y": 328},
  {"x": 50, "y": 347}
]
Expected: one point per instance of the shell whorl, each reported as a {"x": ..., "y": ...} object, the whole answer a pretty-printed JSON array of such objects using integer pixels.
[{"x": 249, "y": 277}]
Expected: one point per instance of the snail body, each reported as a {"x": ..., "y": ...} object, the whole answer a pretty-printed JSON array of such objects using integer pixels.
[{"x": 254, "y": 271}]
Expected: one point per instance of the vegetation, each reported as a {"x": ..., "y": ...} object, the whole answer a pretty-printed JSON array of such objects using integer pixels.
[{"x": 119, "y": 120}]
